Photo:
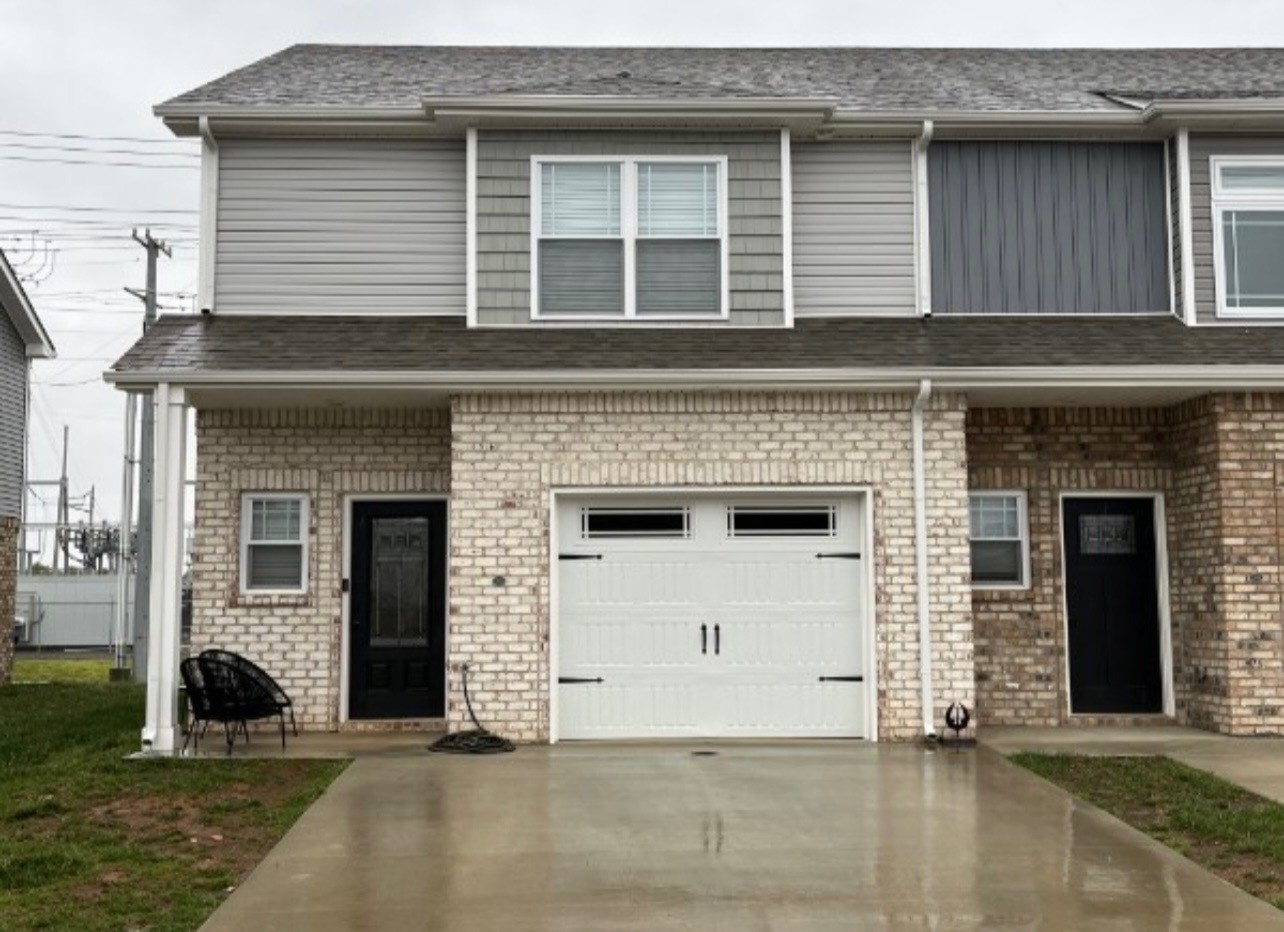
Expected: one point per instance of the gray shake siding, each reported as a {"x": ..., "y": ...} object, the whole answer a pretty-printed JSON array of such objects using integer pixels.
[
  {"x": 504, "y": 210},
  {"x": 13, "y": 418},
  {"x": 1202, "y": 148},
  {"x": 853, "y": 228},
  {"x": 343, "y": 226},
  {"x": 1174, "y": 226},
  {"x": 1048, "y": 227}
]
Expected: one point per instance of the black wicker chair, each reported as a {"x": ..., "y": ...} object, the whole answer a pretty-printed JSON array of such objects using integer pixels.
[
  {"x": 207, "y": 702},
  {"x": 252, "y": 670},
  {"x": 238, "y": 697}
]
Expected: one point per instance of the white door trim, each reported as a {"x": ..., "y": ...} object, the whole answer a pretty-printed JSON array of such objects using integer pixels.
[
  {"x": 1161, "y": 582},
  {"x": 864, "y": 492},
  {"x": 345, "y": 598}
]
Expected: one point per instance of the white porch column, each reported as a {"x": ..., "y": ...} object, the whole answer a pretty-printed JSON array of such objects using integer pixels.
[{"x": 160, "y": 729}]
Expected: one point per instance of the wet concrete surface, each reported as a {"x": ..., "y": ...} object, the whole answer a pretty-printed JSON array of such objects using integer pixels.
[{"x": 808, "y": 836}]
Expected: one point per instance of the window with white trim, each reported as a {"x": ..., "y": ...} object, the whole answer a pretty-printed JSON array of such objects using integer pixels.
[
  {"x": 629, "y": 238},
  {"x": 1000, "y": 538},
  {"x": 1248, "y": 234},
  {"x": 274, "y": 542}
]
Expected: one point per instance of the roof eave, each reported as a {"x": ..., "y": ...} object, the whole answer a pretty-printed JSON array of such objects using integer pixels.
[
  {"x": 1207, "y": 377},
  {"x": 14, "y": 300}
]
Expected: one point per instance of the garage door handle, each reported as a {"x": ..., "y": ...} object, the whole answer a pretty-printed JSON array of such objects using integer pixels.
[
  {"x": 580, "y": 679},
  {"x": 704, "y": 639},
  {"x": 579, "y": 556},
  {"x": 851, "y": 555},
  {"x": 842, "y": 679},
  {"x": 717, "y": 639}
]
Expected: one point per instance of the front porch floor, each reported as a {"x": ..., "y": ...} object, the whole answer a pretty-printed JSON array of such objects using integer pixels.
[{"x": 1256, "y": 764}]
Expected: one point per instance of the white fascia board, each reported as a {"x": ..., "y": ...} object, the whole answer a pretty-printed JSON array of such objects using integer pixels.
[
  {"x": 15, "y": 303},
  {"x": 1236, "y": 377}
]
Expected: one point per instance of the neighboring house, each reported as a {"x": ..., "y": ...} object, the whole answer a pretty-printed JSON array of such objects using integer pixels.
[
  {"x": 22, "y": 338},
  {"x": 749, "y": 392}
]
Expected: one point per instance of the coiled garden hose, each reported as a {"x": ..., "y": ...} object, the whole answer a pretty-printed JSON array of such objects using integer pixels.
[{"x": 476, "y": 741}]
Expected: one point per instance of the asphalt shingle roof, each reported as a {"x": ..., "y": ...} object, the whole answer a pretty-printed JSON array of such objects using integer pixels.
[
  {"x": 189, "y": 344},
  {"x": 868, "y": 79}
]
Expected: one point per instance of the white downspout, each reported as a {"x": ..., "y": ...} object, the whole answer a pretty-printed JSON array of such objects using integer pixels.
[
  {"x": 922, "y": 224},
  {"x": 928, "y": 699},
  {"x": 207, "y": 255}
]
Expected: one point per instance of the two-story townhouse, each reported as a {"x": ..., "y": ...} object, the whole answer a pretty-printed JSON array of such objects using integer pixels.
[
  {"x": 22, "y": 338},
  {"x": 733, "y": 392}
]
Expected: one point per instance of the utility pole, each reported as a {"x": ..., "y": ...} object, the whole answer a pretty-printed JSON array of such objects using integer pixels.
[
  {"x": 146, "y": 467},
  {"x": 62, "y": 537}
]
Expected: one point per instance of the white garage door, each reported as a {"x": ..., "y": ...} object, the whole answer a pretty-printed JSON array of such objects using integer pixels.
[{"x": 703, "y": 617}]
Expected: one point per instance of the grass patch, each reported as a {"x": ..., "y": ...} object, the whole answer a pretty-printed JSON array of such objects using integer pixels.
[
  {"x": 1235, "y": 834},
  {"x": 91, "y": 841},
  {"x": 61, "y": 670}
]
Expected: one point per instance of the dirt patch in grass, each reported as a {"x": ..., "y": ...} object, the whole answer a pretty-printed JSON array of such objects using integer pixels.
[
  {"x": 90, "y": 841},
  {"x": 1235, "y": 834}
]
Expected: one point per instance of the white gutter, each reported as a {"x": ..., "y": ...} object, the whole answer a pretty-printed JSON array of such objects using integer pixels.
[
  {"x": 1224, "y": 377},
  {"x": 922, "y": 228},
  {"x": 208, "y": 244},
  {"x": 928, "y": 699}
]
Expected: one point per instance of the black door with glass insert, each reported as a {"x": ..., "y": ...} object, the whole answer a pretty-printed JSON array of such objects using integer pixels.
[
  {"x": 398, "y": 610},
  {"x": 1112, "y": 601}
]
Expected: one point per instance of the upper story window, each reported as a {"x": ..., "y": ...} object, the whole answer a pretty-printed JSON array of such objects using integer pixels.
[
  {"x": 629, "y": 238},
  {"x": 1248, "y": 224}
]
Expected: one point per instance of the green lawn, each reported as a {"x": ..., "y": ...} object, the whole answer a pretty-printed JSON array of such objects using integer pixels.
[
  {"x": 1235, "y": 834},
  {"x": 62, "y": 669},
  {"x": 91, "y": 841}
]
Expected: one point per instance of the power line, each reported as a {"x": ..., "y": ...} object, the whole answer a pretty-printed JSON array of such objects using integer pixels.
[
  {"x": 98, "y": 209},
  {"x": 52, "y": 148},
  {"x": 104, "y": 163},
  {"x": 30, "y": 134}
]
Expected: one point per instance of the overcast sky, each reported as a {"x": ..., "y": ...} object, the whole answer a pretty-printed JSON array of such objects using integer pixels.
[{"x": 94, "y": 68}]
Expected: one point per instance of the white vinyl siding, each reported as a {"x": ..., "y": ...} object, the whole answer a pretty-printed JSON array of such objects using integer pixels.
[
  {"x": 853, "y": 220},
  {"x": 14, "y": 369},
  {"x": 340, "y": 226},
  {"x": 1000, "y": 540},
  {"x": 274, "y": 548},
  {"x": 1248, "y": 236},
  {"x": 629, "y": 237}
]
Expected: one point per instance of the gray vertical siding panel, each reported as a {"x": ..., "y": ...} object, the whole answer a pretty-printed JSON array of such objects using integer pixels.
[
  {"x": 853, "y": 229},
  {"x": 755, "y": 228},
  {"x": 1047, "y": 227},
  {"x": 1202, "y": 148},
  {"x": 343, "y": 226},
  {"x": 13, "y": 411}
]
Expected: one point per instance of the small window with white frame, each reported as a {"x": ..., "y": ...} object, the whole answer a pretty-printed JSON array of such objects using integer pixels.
[
  {"x": 631, "y": 238},
  {"x": 1000, "y": 539},
  {"x": 274, "y": 542},
  {"x": 1248, "y": 235}
]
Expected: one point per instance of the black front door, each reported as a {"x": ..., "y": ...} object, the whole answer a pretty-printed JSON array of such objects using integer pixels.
[
  {"x": 1112, "y": 599},
  {"x": 398, "y": 610}
]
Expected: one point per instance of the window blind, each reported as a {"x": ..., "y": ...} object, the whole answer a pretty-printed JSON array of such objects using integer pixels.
[
  {"x": 580, "y": 199},
  {"x": 677, "y": 199}
]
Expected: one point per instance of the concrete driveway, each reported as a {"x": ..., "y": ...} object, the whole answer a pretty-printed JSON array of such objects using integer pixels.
[{"x": 801, "y": 836}]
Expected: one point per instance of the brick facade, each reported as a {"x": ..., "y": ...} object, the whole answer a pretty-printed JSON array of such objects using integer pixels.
[
  {"x": 1219, "y": 462},
  {"x": 9, "y": 529},
  {"x": 1020, "y": 633},
  {"x": 510, "y": 451},
  {"x": 329, "y": 454}
]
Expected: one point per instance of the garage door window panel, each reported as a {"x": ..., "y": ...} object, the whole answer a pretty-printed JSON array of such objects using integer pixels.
[
  {"x": 767, "y": 521},
  {"x": 598, "y": 523}
]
